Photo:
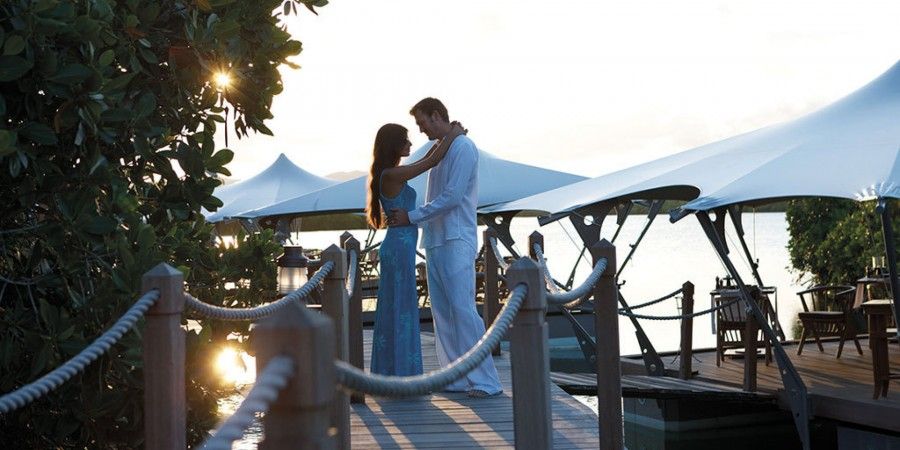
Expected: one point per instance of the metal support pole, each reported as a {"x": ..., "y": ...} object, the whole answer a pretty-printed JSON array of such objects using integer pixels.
[
  {"x": 887, "y": 228},
  {"x": 793, "y": 384}
]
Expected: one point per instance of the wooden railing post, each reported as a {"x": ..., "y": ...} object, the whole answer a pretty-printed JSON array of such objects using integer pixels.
[
  {"x": 530, "y": 359},
  {"x": 687, "y": 331},
  {"x": 606, "y": 323},
  {"x": 354, "y": 317},
  {"x": 491, "y": 284},
  {"x": 164, "y": 387},
  {"x": 334, "y": 304},
  {"x": 300, "y": 417},
  {"x": 751, "y": 331}
]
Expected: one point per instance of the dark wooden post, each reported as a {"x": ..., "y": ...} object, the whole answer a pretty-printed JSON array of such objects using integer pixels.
[
  {"x": 491, "y": 283},
  {"x": 334, "y": 304},
  {"x": 354, "y": 317},
  {"x": 530, "y": 359},
  {"x": 299, "y": 418},
  {"x": 687, "y": 330},
  {"x": 164, "y": 388},
  {"x": 751, "y": 330},
  {"x": 606, "y": 323}
]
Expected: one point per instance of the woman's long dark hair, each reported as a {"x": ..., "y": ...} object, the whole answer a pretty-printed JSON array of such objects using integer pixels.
[{"x": 389, "y": 141}]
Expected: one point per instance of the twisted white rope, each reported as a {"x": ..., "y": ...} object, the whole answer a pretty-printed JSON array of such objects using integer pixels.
[
  {"x": 350, "y": 377},
  {"x": 257, "y": 312},
  {"x": 574, "y": 297},
  {"x": 351, "y": 277},
  {"x": 273, "y": 378},
  {"x": 34, "y": 390},
  {"x": 500, "y": 261}
]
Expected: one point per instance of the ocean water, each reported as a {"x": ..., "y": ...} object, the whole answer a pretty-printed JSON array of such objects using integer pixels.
[{"x": 669, "y": 255}]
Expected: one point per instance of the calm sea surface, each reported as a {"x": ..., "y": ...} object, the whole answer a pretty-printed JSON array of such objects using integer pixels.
[{"x": 669, "y": 255}]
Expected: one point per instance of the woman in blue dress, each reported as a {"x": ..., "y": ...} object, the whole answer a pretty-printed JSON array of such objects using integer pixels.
[{"x": 396, "y": 347}]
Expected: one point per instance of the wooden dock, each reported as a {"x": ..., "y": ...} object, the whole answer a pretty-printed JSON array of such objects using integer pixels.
[
  {"x": 838, "y": 389},
  {"x": 452, "y": 420}
]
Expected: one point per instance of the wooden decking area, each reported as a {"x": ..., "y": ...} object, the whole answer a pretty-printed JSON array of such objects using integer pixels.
[
  {"x": 452, "y": 420},
  {"x": 839, "y": 389}
]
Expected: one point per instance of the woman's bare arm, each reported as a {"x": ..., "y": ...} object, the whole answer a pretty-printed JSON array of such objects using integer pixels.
[{"x": 437, "y": 152}]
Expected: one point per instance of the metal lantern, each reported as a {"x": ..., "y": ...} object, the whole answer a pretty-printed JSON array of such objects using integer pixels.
[{"x": 292, "y": 269}]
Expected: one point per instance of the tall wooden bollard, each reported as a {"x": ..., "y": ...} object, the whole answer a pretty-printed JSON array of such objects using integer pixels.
[
  {"x": 687, "y": 331},
  {"x": 609, "y": 375},
  {"x": 300, "y": 417},
  {"x": 164, "y": 387},
  {"x": 491, "y": 284},
  {"x": 751, "y": 332},
  {"x": 354, "y": 317},
  {"x": 335, "y": 305},
  {"x": 530, "y": 359}
]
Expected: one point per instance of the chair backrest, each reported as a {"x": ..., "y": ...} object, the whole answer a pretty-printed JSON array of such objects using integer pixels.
[{"x": 836, "y": 297}]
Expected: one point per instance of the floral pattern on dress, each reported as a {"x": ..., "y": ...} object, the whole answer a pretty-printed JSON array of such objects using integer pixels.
[{"x": 396, "y": 345}]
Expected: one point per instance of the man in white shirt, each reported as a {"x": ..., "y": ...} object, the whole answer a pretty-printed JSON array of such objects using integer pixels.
[{"x": 450, "y": 238}]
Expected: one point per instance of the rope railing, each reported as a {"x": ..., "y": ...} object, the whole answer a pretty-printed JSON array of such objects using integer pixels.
[
  {"x": 504, "y": 266},
  {"x": 653, "y": 302},
  {"x": 273, "y": 378},
  {"x": 36, "y": 389},
  {"x": 351, "y": 276},
  {"x": 624, "y": 312},
  {"x": 574, "y": 297},
  {"x": 257, "y": 312},
  {"x": 355, "y": 379}
]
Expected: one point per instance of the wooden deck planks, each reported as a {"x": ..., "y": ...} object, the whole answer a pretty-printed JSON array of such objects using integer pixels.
[
  {"x": 839, "y": 389},
  {"x": 452, "y": 420}
]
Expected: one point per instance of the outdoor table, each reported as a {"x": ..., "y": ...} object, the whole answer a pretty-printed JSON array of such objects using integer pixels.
[
  {"x": 862, "y": 285},
  {"x": 879, "y": 311}
]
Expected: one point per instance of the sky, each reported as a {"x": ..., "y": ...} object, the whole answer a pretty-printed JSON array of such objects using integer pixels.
[{"x": 586, "y": 87}]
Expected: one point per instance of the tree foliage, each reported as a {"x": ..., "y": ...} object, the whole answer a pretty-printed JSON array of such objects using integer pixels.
[
  {"x": 833, "y": 240},
  {"x": 107, "y": 118}
]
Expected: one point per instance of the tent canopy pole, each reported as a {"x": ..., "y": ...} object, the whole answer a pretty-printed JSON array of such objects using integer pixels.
[
  {"x": 590, "y": 235},
  {"x": 793, "y": 384},
  {"x": 883, "y": 208}
]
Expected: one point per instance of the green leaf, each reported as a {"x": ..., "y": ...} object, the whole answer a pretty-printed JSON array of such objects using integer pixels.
[
  {"x": 13, "y": 67},
  {"x": 38, "y": 133},
  {"x": 2, "y": 106},
  {"x": 14, "y": 45},
  {"x": 106, "y": 58},
  {"x": 119, "y": 82},
  {"x": 71, "y": 74},
  {"x": 8, "y": 142},
  {"x": 221, "y": 157},
  {"x": 145, "y": 105},
  {"x": 100, "y": 225}
]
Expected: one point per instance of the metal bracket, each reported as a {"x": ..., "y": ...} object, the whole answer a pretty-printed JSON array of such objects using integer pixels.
[{"x": 499, "y": 222}]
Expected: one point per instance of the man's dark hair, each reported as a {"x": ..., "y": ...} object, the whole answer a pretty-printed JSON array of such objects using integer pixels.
[{"x": 429, "y": 105}]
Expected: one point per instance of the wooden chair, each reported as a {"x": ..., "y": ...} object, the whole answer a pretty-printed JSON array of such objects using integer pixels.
[
  {"x": 827, "y": 312},
  {"x": 731, "y": 322}
]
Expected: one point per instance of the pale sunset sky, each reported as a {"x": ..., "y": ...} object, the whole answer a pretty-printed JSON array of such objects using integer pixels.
[{"x": 586, "y": 87}]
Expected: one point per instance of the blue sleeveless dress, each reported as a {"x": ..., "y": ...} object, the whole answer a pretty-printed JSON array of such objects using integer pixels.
[{"x": 396, "y": 346}]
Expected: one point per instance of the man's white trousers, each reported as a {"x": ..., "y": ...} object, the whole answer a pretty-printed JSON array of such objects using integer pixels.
[{"x": 457, "y": 326}]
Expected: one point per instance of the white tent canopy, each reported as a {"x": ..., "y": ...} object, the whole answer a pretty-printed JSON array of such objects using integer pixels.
[
  {"x": 499, "y": 181},
  {"x": 848, "y": 149},
  {"x": 280, "y": 181}
]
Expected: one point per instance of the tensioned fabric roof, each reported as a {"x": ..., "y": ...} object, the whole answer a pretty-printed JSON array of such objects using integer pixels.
[
  {"x": 848, "y": 149},
  {"x": 280, "y": 181},
  {"x": 499, "y": 180}
]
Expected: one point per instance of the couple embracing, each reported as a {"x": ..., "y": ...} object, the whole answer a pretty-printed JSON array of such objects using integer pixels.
[{"x": 449, "y": 236}]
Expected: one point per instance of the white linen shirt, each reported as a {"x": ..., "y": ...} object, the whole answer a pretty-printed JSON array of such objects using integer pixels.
[{"x": 451, "y": 198}]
